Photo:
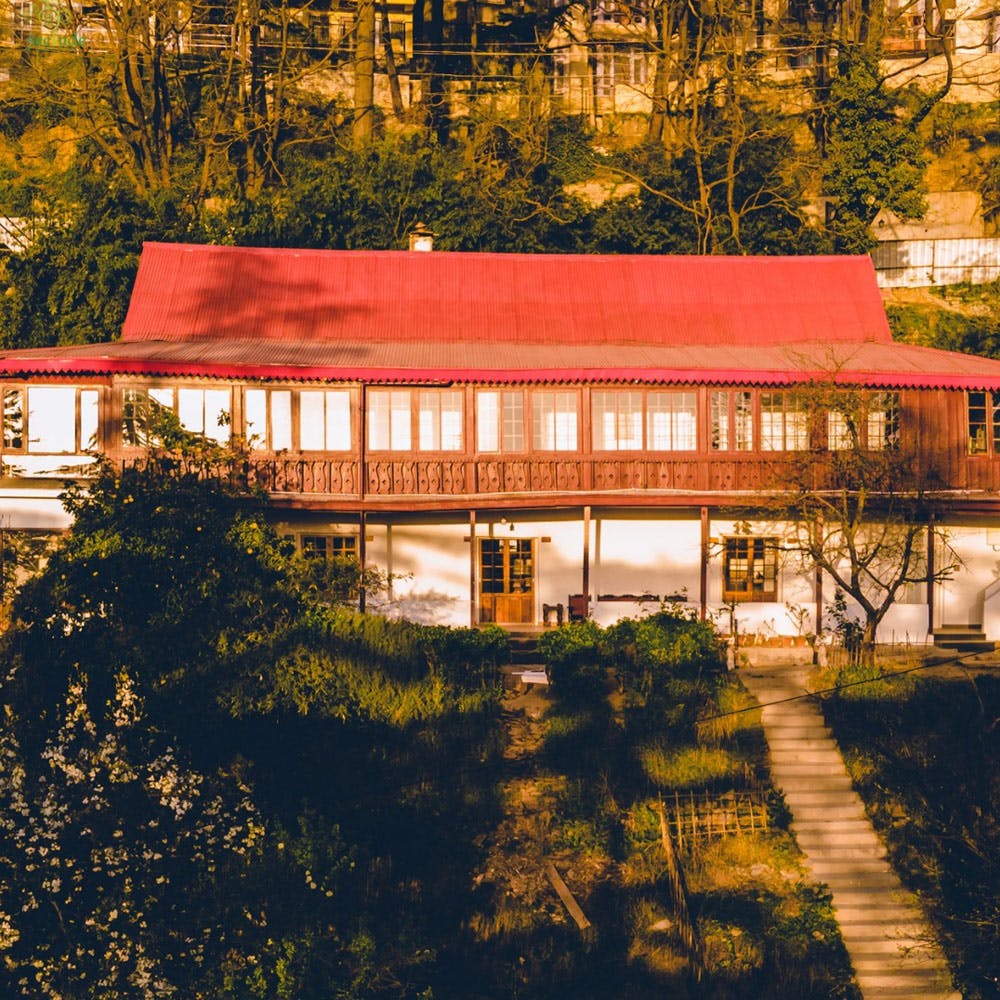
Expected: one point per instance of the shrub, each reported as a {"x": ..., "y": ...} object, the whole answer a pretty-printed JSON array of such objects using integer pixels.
[
  {"x": 572, "y": 656},
  {"x": 648, "y": 651}
]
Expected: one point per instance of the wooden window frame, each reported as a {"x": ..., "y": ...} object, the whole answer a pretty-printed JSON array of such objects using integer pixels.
[
  {"x": 535, "y": 415},
  {"x": 508, "y": 442},
  {"x": 787, "y": 415},
  {"x": 982, "y": 415},
  {"x": 417, "y": 415},
  {"x": 24, "y": 445},
  {"x": 739, "y": 420},
  {"x": 759, "y": 553},
  {"x": 175, "y": 390}
]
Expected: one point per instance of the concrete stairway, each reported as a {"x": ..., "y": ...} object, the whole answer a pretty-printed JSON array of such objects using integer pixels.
[{"x": 890, "y": 943}]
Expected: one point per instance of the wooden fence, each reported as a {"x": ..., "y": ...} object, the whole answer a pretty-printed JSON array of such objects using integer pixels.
[{"x": 695, "y": 817}]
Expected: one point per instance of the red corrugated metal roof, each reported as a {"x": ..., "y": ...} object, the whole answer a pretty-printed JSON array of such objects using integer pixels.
[
  {"x": 224, "y": 312},
  {"x": 186, "y": 292},
  {"x": 872, "y": 363}
]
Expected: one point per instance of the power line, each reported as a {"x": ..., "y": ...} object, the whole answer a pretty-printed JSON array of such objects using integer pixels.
[{"x": 891, "y": 675}]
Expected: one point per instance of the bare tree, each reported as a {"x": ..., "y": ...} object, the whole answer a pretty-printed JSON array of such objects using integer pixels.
[{"x": 862, "y": 509}]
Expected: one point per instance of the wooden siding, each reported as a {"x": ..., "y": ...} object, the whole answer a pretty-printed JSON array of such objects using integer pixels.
[{"x": 933, "y": 426}]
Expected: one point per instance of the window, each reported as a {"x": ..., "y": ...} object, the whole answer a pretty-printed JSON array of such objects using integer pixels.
[
  {"x": 984, "y": 422},
  {"x": 784, "y": 425},
  {"x": 554, "y": 420},
  {"x": 671, "y": 423},
  {"x": 439, "y": 419},
  {"x": 731, "y": 414},
  {"x": 750, "y": 569},
  {"x": 268, "y": 419},
  {"x": 50, "y": 419},
  {"x": 389, "y": 419},
  {"x": 325, "y": 420},
  {"x": 500, "y": 420},
  {"x": 621, "y": 66},
  {"x": 617, "y": 420},
  {"x": 631, "y": 420},
  {"x": 873, "y": 424},
  {"x": 200, "y": 411},
  {"x": 329, "y": 547}
]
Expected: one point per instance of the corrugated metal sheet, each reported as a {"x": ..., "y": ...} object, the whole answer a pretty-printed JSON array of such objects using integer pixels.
[
  {"x": 924, "y": 263},
  {"x": 872, "y": 363},
  {"x": 223, "y": 312},
  {"x": 186, "y": 292}
]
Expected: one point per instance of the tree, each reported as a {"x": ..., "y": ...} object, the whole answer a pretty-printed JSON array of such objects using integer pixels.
[
  {"x": 874, "y": 154},
  {"x": 121, "y": 867},
  {"x": 168, "y": 573},
  {"x": 862, "y": 511}
]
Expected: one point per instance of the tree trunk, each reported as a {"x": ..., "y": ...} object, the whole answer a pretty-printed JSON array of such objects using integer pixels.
[
  {"x": 390, "y": 62},
  {"x": 364, "y": 72}
]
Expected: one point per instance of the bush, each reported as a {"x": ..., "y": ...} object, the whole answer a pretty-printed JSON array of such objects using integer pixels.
[
  {"x": 649, "y": 651},
  {"x": 572, "y": 657}
]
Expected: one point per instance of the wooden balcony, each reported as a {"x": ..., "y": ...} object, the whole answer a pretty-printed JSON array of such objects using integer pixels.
[{"x": 441, "y": 482}]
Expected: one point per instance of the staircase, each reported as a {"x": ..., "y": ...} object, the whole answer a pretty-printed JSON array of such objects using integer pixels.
[
  {"x": 523, "y": 647},
  {"x": 963, "y": 639},
  {"x": 891, "y": 946}
]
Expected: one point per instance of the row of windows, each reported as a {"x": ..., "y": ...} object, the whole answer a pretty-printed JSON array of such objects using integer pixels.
[{"x": 64, "y": 419}]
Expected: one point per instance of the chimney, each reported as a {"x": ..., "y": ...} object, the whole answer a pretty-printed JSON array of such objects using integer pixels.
[{"x": 421, "y": 238}]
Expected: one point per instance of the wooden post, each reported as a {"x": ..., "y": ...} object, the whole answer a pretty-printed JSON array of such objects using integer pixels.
[
  {"x": 473, "y": 589},
  {"x": 930, "y": 575},
  {"x": 586, "y": 558},
  {"x": 362, "y": 558},
  {"x": 703, "y": 580}
]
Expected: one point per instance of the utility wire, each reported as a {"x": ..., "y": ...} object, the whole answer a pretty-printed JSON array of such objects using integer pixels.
[{"x": 840, "y": 687}]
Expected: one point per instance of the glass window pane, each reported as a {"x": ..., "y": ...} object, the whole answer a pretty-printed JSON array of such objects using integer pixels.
[
  {"x": 255, "y": 415},
  {"x": 13, "y": 419},
  {"x": 312, "y": 422},
  {"x": 52, "y": 419},
  {"x": 338, "y": 420},
  {"x": 281, "y": 420},
  {"x": 513, "y": 421},
  {"x": 719, "y": 416},
  {"x": 88, "y": 419},
  {"x": 488, "y": 421},
  {"x": 217, "y": 415},
  {"x": 191, "y": 409},
  {"x": 451, "y": 421},
  {"x": 400, "y": 436}
]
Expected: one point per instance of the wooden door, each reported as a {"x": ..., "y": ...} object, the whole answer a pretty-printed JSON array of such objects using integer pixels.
[{"x": 507, "y": 580}]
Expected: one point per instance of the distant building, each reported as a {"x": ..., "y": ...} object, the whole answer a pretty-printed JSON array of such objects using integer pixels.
[{"x": 507, "y": 433}]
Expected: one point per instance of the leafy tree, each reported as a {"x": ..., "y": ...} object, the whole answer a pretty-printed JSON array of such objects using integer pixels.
[
  {"x": 874, "y": 155},
  {"x": 73, "y": 283},
  {"x": 166, "y": 573},
  {"x": 120, "y": 865}
]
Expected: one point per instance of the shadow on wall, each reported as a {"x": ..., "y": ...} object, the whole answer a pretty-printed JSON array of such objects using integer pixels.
[{"x": 428, "y": 608}]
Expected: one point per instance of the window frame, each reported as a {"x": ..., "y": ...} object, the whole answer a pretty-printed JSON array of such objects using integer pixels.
[
  {"x": 509, "y": 430},
  {"x": 785, "y": 428},
  {"x": 80, "y": 446},
  {"x": 985, "y": 442},
  {"x": 751, "y": 550},
  {"x": 175, "y": 389},
  {"x": 633, "y": 416},
  {"x": 539, "y": 418},
  {"x": 423, "y": 430},
  {"x": 734, "y": 433}
]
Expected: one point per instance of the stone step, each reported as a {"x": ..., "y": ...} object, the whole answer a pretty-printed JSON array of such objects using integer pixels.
[
  {"x": 804, "y": 743},
  {"x": 871, "y": 899}
]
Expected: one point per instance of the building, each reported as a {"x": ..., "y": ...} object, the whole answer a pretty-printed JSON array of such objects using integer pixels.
[{"x": 519, "y": 437}]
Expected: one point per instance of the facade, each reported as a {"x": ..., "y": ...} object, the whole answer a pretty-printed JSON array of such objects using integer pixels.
[
  {"x": 517, "y": 438},
  {"x": 598, "y": 59}
]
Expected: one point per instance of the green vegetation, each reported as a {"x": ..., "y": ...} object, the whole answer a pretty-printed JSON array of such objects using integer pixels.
[
  {"x": 922, "y": 752},
  {"x": 618, "y": 770},
  {"x": 216, "y": 788}
]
